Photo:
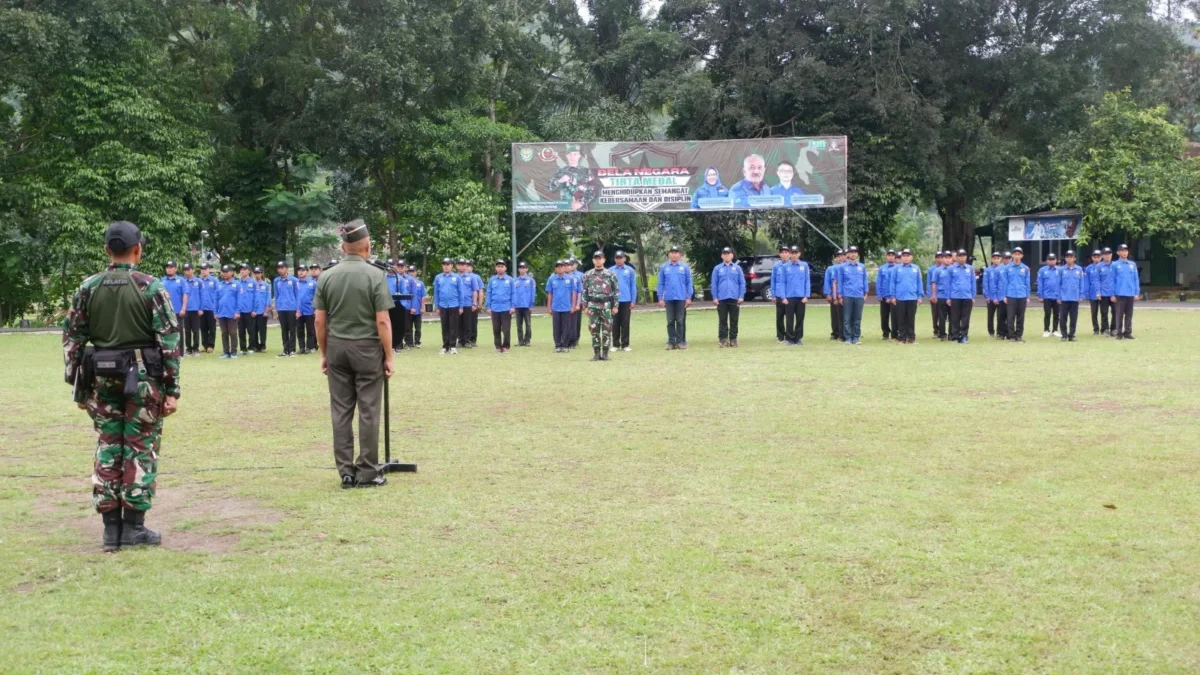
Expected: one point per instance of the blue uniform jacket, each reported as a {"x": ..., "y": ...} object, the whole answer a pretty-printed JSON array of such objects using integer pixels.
[
  {"x": 852, "y": 280},
  {"x": 466, "y": 291},
  {"x": 308, "y": 289},
  {"x": 830, "y": 274},
  {"x": 500, "y": 293},
  {"x": 560, "y": 288},
  {"x": 906, "y": 283},
  {"x": 743, "y": 190},
  {"x": 246, "y": 298},
  {"x": 447, "y": 291},
  {"x": 524, "y": 291},
  {"x": 787, "y": 193},
  {"x": 1047, "y": 282},
  {"x": 706, "y": 191},
  {"x": 193, "y": 293},
  {"x": 930, "y": 278},
  {"x": 960, "y": 282},
  {"x": 779, "y": 279},
  {"x": 262, "y": 297},
  {"x": 626, "y": 282},
  {"x": 883, "y": 280},
  {"x": 287, "y": 293},
  {"x": 675, "y": 282},
  {"x": 728, "y": 282},
  {"x": 229, "y": 295},
  {"x": 1105, "y": 277},
  {"x": 797, "y": 282},
  {"x": 1093, "y": 281},
  {"x": 208, "y": 294},
  {"x": 1016, "y": 281},
  {"x": 1072, "y": 283},
  {"x": 993, "y": 277},
  {"x": 177, "y": 289},
  {"x": 1125, "y": 281},
  {"x": 417, "y": 288}
]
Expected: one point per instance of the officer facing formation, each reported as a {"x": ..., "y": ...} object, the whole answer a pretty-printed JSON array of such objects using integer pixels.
[
  {"x": 600, "y": 295},
  {"x": 728, "y": 291},
  {"x": 354, "y": 333},
  {"x": 128, "y": 382}
]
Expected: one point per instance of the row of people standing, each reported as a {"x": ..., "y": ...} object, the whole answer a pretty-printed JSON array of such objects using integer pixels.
[{"x": 408, "y": 294}]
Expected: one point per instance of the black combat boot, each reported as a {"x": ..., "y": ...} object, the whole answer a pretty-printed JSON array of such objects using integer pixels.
[
  {"x": 596, "y": 355},
  {"x": 112, "y": 531},
  {"x": 134, "y": 532},
  {"x": 604, "y": 354}
]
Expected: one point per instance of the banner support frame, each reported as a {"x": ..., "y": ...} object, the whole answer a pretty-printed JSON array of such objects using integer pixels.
[
  {"x": 535, "y": 237},
  {"x": 818, "y": 230}
]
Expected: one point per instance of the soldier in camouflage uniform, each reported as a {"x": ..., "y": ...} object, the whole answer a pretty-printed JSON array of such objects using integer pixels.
[
  {"x": 573, "y": 182},
  {"x": 600, "y": 295},
  {"x": 128, "y": 382}
]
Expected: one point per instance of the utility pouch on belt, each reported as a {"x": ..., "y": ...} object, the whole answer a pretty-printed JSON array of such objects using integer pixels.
[
  {"x": 85, "y": 377},
  {"x": 118, "y": 363}
]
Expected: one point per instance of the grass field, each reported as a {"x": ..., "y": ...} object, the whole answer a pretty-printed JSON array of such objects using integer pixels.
[{"x": 988, "y": 508}]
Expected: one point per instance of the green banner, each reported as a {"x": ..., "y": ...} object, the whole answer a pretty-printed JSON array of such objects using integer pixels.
[{"x": 771, "y": 173}]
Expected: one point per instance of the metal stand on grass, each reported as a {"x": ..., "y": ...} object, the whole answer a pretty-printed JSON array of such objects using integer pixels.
[{"x": 388, "y": 465}]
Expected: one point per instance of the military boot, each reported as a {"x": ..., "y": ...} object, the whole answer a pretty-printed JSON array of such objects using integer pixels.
[
  {"x": 596, "y": 355},
  {"x": 604, "y": 354},
  {"x": 134, "y": 532},
  {"x": 112, "y": 531}
]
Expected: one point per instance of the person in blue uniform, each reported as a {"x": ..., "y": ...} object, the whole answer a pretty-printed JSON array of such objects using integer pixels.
[
  {"x": 1016, "y": 295},
  {"x": 1047, "y": 292},
  {"x": 574, "y": 273},
  {"x": 562, "y": 302},
  {"x": 524, "y": 295},
  {"x": 1126, "y": 287},
  {"x": 177, "y": 290},
  {"x": 779, "y": 273},
  {"x": 797, "y": 288},
  {"x": 850, "y": 287},
  {"x": 286, "y": 293},
  {"x": 191, "y": 323},
  {"x": 627, "y": 293},
  {"x": 416, "y": 308},
  {"x": 960, "y": 290},
  {"x": 675, "y": 292},
  {"x": 447, "y": 302},
  {"x": 208, "y": 308},
  {"x": 1093, "y": 288},
  {"x": 1105, "y": 292},
  {"x": 939, "y": 298},
  {"x": 711, "y": 188},
  {"x": 835, "y": 309},
  {"x": 786, "y": 173},
  {"x": 930, "y": 278},
  {"x": 262, "y": 306},
  {"x": 500, "y": 307},
  {"x": 397, "y": 282},
  {"x": 728, "y": 291},
  {"x": 753, "y": 183},
  {"x": 478, "y": 286},
  {"x": 907, "y": 292},
  {"x": 229, "y": 300},
  {"x": 1072, "y": 287},
  {"x": 991, "y": 294},
  {"x": 883, "y": 293},
  {"x": 246, "y": 310},
  {"x": 466, "y": 300},
  {"x": 306, "y": 331}
]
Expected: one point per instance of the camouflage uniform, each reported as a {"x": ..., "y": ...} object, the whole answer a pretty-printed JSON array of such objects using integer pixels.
[
  {"x": 600, "y": 293},
  {"x": 129, "y": 429},
  {"x": 579, "y": 187}
]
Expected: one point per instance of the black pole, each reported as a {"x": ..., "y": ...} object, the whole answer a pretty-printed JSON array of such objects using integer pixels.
[{"x": 388, "y": 465}]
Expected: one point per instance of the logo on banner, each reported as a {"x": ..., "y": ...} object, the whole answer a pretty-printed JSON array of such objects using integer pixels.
[
  {"x": 526, "y": 154},
  {"x": 548, "y": 154}
]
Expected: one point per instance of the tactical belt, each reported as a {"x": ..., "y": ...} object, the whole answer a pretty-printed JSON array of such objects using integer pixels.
[{"x": 126, "y": 363}]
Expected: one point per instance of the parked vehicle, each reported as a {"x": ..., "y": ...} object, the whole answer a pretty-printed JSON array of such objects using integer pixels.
[{"x": 758, "y": 276}]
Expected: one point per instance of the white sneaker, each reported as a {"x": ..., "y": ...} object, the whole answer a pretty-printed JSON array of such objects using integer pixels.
[
  {"x": 627, "y": 349},
  {"x": 1046, "y": 334},
  {"x": 1057, "y": 334},
  {"x": 443, "y": 352},
  {"x": 453, "y": 350}
]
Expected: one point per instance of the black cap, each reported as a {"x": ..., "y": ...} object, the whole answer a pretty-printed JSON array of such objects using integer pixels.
[
  {"x": 122, "y": 235},
  {"x": 1008, "y": 254},
  {"x": 170, "y": 263},
  {"x": 447, "y": 261},
  {"x": 891, "y": 251},
  {"x": 1018, "y": 250},
  {"x": 257, "y": 269},
  {"x": 501, "y": 262},
  {"x": 839, "y": 252},
  {"x": 522, "y": 264},
  {"x": 412, "y": 267},
  {"x": 619, "y": 254},
  {"x": 470, "y": 262},
  {"x": 676, "y": 249},
  {"x": 852, "y": 249},
  {"x": 1051, "y": 257},
  {"x": 795, "y": 249},
  {"x": 784, "y": 247},
  {"x": 907, "y": 251},
  {"x": 1107, "y": 250},
  {"x": 301, "y": 266},
  {"x": 187, "y": 266},
  {"x": 560, "y": 263},
  {"x": 461, "y": 261},
  {"x": 1070, "y": 254},
  {"x": 354, "y": 230},
  {"x": 390, "y": 262},
  {"x": 280, "y": 264},
  {"x": 597, "y": 254},
  {"x": 226, "y": 268},
  {"x": 996, "y": 254},
  {"x": 1096, "y": 251},
  {"x": 726, "y": 250},
  {"x": 205, "y": 266},
  {"x": 961, "y": 251},
  {"x": 1123, "y": 247}
]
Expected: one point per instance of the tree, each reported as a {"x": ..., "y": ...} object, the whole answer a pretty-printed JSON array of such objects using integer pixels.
[
  {"x": 1127, "y": 172},
  {"x": 467, "y": 224}
]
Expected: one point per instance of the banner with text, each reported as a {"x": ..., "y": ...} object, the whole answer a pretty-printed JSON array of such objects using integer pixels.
[{"x": 633, "y": 176}]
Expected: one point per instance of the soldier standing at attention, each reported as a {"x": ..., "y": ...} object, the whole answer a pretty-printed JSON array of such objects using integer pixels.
[
  {"x": 354, "y": 334},
  {"x": 524, "y": 295},
  {"x": 306, "y": 331},
  {"x": 835, "y": 309},
  {"x": 287, "y": 307},
  {"x": 779, "y": 273},
  {"x": 728, "y": 291},
  {"x": 1126, "y": 287},
  {"x": 447, "y": 302},
  {"x": 262, "y": 305},
  {"x": 229, "y": 296},
  {"x": 675, "y": 292},
  {"x": 208, "y": 308},
  {"x": 1016, "y": 295},
  {"x": 191, "y": 320},
  {"x": 627, "y": 300},
  {"x": 246, "y": 310},
  {"x": 128, "y": 382},
  {"x": 412, "y": 337},
  {"x": 601, "y": 295},
  {"x": 500, "y": 306}
]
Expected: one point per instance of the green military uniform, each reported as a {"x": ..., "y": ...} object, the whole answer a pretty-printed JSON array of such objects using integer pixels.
[
  {"x": 577, "y": 187},
  {"x": 125, "y": 309},
  {"x": 600, "y": 295},
  {"x": 350, "y": 294}
]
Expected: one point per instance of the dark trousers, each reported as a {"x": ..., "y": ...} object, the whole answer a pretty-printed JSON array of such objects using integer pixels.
[
  {"x": 727, "y": 319},
  {"x": 997, "y": 319},
  {"x": 246, "y": 331},
  {"x": 1068, "y": 317},
  {"x": 935, "y": 308},
  {"x": 885, "y": 318},
  {"x": 780, "y": 315},
  {"x": 1106, "y": 304},
  {"x": 413, "y": 336},
  {"x": 943, "y": 316},
  {"x": 1095, "y": 315},
  {"x": 960, "y": 318},
  {"x": 396, "y": 314},
  {"x": 1122, "y": 323},
  {"x": 525, "y": 326},
  {"x": 1016, "y": 317},
  {"x": 474, "y": 326},
  {"x": 260, "y": 332},
  {"x": 1049, "y": 315},
  {"x": 563, "y": 323},
  {"x": 306, "y": 332},
  {"x": 451, "y": 320},
  {"x": 794, "y": 321},
  {"x": 355, "y": 383},
  {"x": 208, "y": 329},
  {"x": 676, "y": 322},
  {"x": 501, "y": 329},
  {"x": 620, "y": 336},
  {"x": 852, "y": 323},
  {"x": 835, "y": 321},
  {"x": 191, "y": 332},
  {"x": 287, "y": 331},
  {"x": 905, "y": 314},
  {"x": 229, "y": 335}
]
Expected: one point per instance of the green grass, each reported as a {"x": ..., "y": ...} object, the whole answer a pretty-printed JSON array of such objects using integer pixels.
[{"x": 879, "y": 509}]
